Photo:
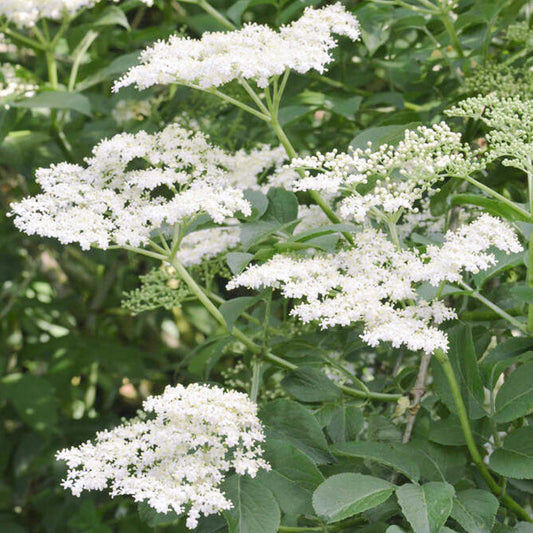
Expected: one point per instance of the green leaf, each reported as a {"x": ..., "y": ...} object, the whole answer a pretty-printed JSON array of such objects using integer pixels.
[
  {"x": 504, "y": 262},
  {"x": 345, "y": 495},
  {"x": 308, "y": 384},
  {"x": 233, "y": 309},
  {"x": 345, "y": 423},
  {"x": 282, "y": 206},
  {"x": 112, "y": 16},
  {"x": 255, "y": 509},
  {"x": 448, "y": 432},
  {"x": 426, "y": 507},
  {"x": 57, "y": 100},
  {"x": 515, "y": 459},
  {"x": 258, "y": 201},
  {"x": 381, "y": 135},
  {"x": 289, "y": 420},
  {"x": 293, "y": 478},
  {"x": 505, "y": 354},
  {"x": 522, "y": 294},
  {"x": 493, "y": 207},
  {"x": 237, "y": 261},
  {"x": 475, "y": 510},
  {"x": 34, "y": 399},
  {"x": 389, "y": 454},
  {"x": 515, "y": 398}
]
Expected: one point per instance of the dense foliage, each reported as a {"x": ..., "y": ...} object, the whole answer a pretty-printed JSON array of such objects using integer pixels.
[{"x": 266, "y": 266}]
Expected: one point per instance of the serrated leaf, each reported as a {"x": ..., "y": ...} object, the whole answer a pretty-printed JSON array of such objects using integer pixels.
[
  {"x": 310, "y": 385},
  {"x": 255, "y": 509},
  {"x": 515, "y": 398},
  {"x": 344, "y": 495},
  {"x": 381, "y": 135},
  {"x": 426, "y": 507},
  {"x": 504, "y": 355},
  {"x": 515, "y": 459},
  {"x": 237, "y": 261},
  {"x": 475, "y": 510},
  {"x": 392, "y": 455},
  {"x": 282, "y": 206}
]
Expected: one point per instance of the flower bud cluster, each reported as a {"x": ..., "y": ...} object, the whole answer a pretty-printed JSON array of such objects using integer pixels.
[
  {"x": 131, "y": 186},
  {"x": 389, "y": 178},
  {"x": 510, "y": 121},
  {"x": 12, "y": 85},
  {"x": 255, "y": 52},
  {"x": 375, "y": 283},
  {"x": 177, "y": 456}
]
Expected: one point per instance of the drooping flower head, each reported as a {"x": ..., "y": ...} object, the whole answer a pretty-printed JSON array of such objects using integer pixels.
[
  {"x": 255, "y": 52},
  {"x": 375, "y": 283},
  {"x": 177, "y": 456},
  {"x": 131, "y": 186}
]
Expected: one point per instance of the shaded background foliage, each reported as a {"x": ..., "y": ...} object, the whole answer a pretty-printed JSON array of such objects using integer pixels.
[{"x": 73, "y": 361}]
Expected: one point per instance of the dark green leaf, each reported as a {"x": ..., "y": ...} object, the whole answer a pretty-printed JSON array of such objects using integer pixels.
[
  {"x": 310, "y": 385},
  {"x": 57, "y": 100},
  {"x": 515, "y": 398},
  {"x": 515, "y": 459},
  {"x": 289, "y": 420},
  {"x": 392, "y": 455},
  {"x": 255, "y": 509}
]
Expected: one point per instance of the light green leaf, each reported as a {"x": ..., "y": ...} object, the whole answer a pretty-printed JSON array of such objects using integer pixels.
[
  {"x": 475, "y": 510},
  {"x": 345, "y": 495},
  {"x": 426, "y": 507}
]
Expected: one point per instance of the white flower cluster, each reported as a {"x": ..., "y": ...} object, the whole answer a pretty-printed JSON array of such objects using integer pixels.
[
  {"x": 375, "y": 283},
  {"x": 205, "y": 244},
  {"x": 392, "y": 177},
  {"x": 255, "y": 52},
  {"x": 12, "y": 85},
  {"x": 177, "y": 457},
  {"x": 25, "y": 13},
  {"x": 510, "y": 120},
  {"x": 131, "y": 186}
]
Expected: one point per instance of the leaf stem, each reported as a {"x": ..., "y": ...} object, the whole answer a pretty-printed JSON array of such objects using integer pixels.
[
  {"x": 253, "y": 346},
  {"x": 444, "y": 361}
]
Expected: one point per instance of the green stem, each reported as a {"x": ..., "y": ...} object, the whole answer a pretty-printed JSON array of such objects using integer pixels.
[
  {"x": 18, "y": 37},
  {"x": 78, "y": 56},
  {"x": 442, "y": 358},
  {"x": 208, "y": 8},
  {"x": 253, "y": 346},
  {"x": 509, "y": 203},
  {"x": 529, "y": 274},
  {"x": 52, "y": 68},
  {"x": 498, "y": 310},
  {"x": 481, "y": 316},
  {"x": 448, "y": 24}
]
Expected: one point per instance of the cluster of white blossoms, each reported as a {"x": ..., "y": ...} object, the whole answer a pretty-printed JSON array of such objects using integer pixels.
[
  {"x": 130, "y": 187},
  {"x": 510, "y": 121},
  {"x": 375, "y": 283},
  {"x": 389, "y": 178},
  {"x": 26, "y": 13},
  {"x": 12, "y": 85},
  {"x": 205, "y": 244},
  {"x": 176, "y": 458},
  {"x": 256, "y": 52}
]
